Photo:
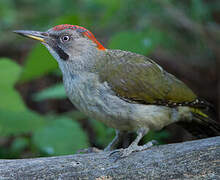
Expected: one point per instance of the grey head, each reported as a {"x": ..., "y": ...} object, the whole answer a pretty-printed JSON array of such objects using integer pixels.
[{"x": 74, "y": 47}]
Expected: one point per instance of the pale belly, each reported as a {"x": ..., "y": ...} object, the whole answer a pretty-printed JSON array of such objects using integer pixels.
[{"x": 99, "y": 102}]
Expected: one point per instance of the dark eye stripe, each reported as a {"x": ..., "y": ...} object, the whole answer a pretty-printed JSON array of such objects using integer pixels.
[{"x": 61, "y": 53}]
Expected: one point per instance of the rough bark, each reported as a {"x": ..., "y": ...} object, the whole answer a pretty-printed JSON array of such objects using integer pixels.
[{"x": 198, "y": 159}]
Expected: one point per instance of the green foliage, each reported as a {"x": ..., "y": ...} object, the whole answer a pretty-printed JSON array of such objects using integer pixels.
[
  {"x": 199, "y": 11},
  {"x": 158, "y": 136},
  {"x": 140, "y": 42},
  {"x": 19, "y": 145},
  {"x": 50, "y": 137},
  {"x": 7, "y": 13},
  {"x": 59, "y": 137},
  {"x": 130, "y": 41},
  {"x": 15, "y": 123},
  {"x": 54, "y": 92},
  {"x": 10, "y": 71},
  {"x": 68, "y": 19},
  {"x": 77, "y": 115},
  {"x": 104, "y": 134},
  {"x": 15, "y": 117},
  {"x": 38, "y": 63}
]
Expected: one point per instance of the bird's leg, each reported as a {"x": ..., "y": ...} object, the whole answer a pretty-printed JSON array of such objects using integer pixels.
[
  {"x": 118, "y": 137},
  {"x": 134, "y": 145},
  {"x": 111, "y": 145}
]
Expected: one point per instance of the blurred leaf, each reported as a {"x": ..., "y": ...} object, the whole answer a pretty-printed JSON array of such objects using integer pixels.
[
  {"x": 57, "y": 72},
  {"x": 200, "y": 11},
  {"x": 68, "y": 19},
  {"x": 8, "y": 67},
  {"x": 14, "y": 123},
  {"x": 7, "y": 14},
  {"x": 104, "y": 134},
  {"x": 159, "y": 136},
  {"x": 138, "y": 42},
  {"x": 59, "y": 137},
  {"x": 77, "y": 115},
  {"x": 129, "y": 41},
  {"x": 86, "y": 20},
  {"x": 38, "y": 63},
  {"x": 12, "y": 100},
  {"x": 55, "y": 92},
  {"x": 19, "y": 144},
  {"x": 15, "y": 118},
  {"x": 157, "y": 37},
  {"x": 109, "y": 9},
  {"x": 109, "y": 4}
]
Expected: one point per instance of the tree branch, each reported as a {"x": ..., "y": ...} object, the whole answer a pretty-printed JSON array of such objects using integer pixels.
[{"x": 198, "y": 159}]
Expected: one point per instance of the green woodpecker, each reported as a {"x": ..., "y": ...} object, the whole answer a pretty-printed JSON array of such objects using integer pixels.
[{"x": 124, "y": 90}]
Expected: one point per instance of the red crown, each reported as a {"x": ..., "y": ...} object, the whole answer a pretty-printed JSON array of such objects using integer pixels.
[{"x": 83, "y": 30}]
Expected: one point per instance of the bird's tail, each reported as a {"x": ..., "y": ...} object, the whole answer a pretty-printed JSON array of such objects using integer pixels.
[{"x": 202, "y": 125}]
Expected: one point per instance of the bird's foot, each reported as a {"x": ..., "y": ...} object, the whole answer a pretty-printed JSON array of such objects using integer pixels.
[
  {"x": 132, "y": 148},
  {"x": 89, "y": 150}
]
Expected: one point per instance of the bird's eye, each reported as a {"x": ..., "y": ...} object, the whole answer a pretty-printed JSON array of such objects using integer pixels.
[{"x": 65, "y": 38}]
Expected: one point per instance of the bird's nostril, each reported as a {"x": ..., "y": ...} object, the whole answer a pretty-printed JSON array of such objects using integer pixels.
[{"x": 44, "y": 34}]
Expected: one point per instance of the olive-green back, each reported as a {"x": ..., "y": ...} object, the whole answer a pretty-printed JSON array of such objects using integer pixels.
[{"x": 137, "y": 78}]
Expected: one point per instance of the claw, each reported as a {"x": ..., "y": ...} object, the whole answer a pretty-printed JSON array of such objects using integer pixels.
[
  {"x": 119, "y": 156},
  {"x": 115, "y": 151},
  {"x": 132, "y": 148}
]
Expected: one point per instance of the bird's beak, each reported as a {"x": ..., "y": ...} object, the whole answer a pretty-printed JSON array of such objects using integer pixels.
[{"x": 40, "y": 36}]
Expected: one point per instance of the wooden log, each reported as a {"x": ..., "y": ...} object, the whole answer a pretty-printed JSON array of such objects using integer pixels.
[{"x": 198, "y": 159}]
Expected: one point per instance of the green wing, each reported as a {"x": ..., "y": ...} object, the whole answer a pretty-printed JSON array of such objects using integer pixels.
[{"x": 137, "y": 78}]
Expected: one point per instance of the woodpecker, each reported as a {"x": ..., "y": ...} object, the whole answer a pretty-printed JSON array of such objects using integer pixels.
[{"x": 124, "y": 90}]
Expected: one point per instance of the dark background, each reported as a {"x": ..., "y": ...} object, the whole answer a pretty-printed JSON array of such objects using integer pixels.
[{"x": 36, "y": 118}]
